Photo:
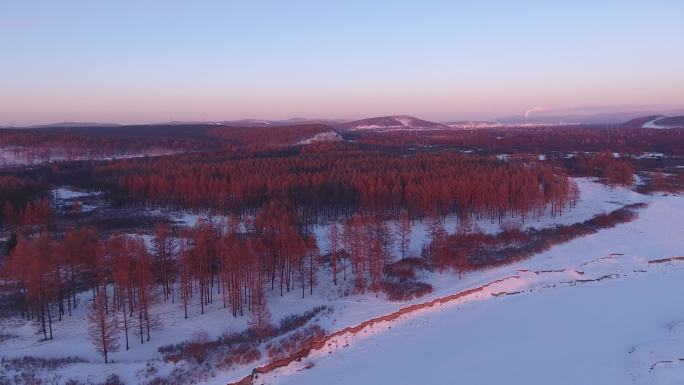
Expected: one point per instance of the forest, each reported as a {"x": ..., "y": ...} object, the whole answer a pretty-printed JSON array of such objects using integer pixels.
[{"x": 262, "y": 196}]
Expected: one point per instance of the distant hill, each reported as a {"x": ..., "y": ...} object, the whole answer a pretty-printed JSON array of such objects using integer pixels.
[
  {"x": 672, "y": 121},
  {"x": 392, "y": 123},
  {"x": 595, "y": 116},
  {"x": 74, "y": 124},
  {"x": 633, "y": 119},
  {"x": 232, "y": 123},
  {"x": 640, "y": 121},
  {"x": 471, "y": 124},
  {"x": 658, "y": 122},
  {"x": 284, "y": 122}
]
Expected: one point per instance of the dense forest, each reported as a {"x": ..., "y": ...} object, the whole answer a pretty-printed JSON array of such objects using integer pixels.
[{"x": 330, "y": 179}]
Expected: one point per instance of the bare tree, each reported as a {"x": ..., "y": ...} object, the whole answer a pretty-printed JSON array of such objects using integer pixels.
[{"x": 103, "y": 328}]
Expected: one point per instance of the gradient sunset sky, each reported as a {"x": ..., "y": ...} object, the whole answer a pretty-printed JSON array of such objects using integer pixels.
[{"x": 147, "y": 61}]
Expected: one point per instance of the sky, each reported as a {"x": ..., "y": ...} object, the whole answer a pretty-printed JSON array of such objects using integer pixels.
[{"x": 153, "y": 61}]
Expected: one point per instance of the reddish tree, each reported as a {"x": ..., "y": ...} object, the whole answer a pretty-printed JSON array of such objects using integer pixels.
[
  {"x": 34, "y": 265},
  {"x": 38, "y": 213},
  {"x": 312, "y": 261},
  {"x": 658, "y": 181},
  {"x": 462, "y": 263},
  {"x": 79, "y": 251},
  {"x": 260, "y": 321},
  {"x": 354, "y": 244},
  {"x": 404, "y": 233},
  {"x": 185, "y": 269},
  {"x": 164, "y": 246},
  {"x": 203, "y": 251},
  {"x": 122, "y": 277},
  {"x": 334, "y": 242},
  {"x": 103, "y": 328},
  {"x": 9, "y": 214},
  {"x": 438, "y": 244},
  {"x": 145, "y": 294}
]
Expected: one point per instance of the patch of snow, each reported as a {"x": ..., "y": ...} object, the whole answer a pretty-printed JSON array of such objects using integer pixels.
[
  {"x": 652, "y": 124},
  {"x": 406, "y": 122},
  {"x": 66, "y": 193},
  {"x": 367, "y": 127},
  {"x": 13, "y": 156},
  {"x": 651, "y": 155},
  {"x": 328, "y": 136}
]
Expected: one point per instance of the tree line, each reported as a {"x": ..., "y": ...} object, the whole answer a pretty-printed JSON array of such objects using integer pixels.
[
  {"x": 235, "y": 262},
  {"x": 340, "y": 180}
]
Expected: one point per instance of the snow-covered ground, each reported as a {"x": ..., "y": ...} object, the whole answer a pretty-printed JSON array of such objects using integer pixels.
[
  {"x": 185, "y": 218},
  {"x": 12, "y": 156},
  {"x": 654, "y": 124},
  {"x": 67, "y": 193},
  {"x": 657, "y": 233},
  {"x": 65, "y": 196},
  {"x": 328, "y": 136},
  {"x": 612, "y": 331},
  {"x": 559, "y": 330}
]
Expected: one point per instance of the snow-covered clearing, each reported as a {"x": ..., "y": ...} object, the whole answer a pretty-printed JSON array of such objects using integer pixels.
[
  {"x": 624, "y": 250},
  {"x": 328, "y": 136},
  {"x": 612, "y": 331},
  {"x": 67, "y": 193},
  {"x": 13, "y": 156},
  {"x": 66, "y": 196}
]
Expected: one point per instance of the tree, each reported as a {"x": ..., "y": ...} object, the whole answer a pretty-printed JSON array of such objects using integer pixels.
[
  {"x": 658, "y": 181},
  {"x": 9, "y": 215},
  {"x": 122, "y": 276},
  {"x": 164, "y": 246},
  {"x": 334, "y": 242},
  {"x": 185, "y": 273},
  {"x": 34, "y": 265},
  {"x": 38, "y": 213},
  {"x": 145, "y": 293},
  {"x": 404, "y": 233},
  {"x": 312, "y": 261},
  {"x": 103, "y": 328},
  {"x": 354, "y": 245},
  {"x": 80, "y": 250},
  {"x": 462, "y": 263},
  {"x": 438, "y": 246},
  {"x": 203, "y": 251},
  {"x": 260, "y": 321}
]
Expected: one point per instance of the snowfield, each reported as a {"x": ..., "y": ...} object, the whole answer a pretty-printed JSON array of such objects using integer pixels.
[
  {"x": 13, "y": 156},
  {"x": 653, "y": 124},
  {"x": 624, "y": 330},
  {"x": 580, "y": 333},
  {"x": 328, "y": 136},
  {"x": 582, "y": 330}
]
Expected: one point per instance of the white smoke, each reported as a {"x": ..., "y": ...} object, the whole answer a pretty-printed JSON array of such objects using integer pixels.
[{"x": 535, "y": 109}]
